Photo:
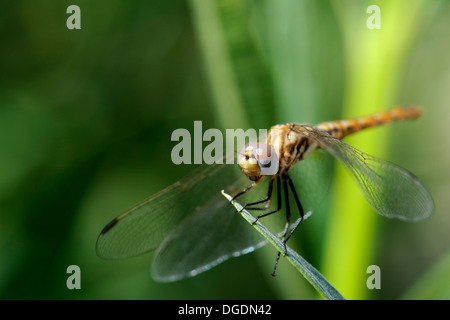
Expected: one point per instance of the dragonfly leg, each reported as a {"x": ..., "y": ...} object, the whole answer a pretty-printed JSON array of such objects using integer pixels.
[
  {"x": 301, "y": 211},
  {"x": 278, "y": 203},
  {"x": 288, "y": 221},
  {"x": 299, "y": 206},
  {"x": 266, "y": 200},
  {"x": 250, "y": 187}
]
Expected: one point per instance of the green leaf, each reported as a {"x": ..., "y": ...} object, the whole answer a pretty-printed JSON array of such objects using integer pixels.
[{"x": 314, "y": 277}]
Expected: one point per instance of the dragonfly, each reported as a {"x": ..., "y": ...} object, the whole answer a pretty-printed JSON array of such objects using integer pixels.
[{"x": 193, "y": 227}]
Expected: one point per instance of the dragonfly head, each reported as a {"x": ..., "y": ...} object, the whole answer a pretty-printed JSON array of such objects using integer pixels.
[
  {"x": 258, "y": 159},
  {"x": 249, "y": 164}
]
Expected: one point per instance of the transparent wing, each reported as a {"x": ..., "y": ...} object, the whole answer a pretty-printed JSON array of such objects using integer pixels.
[
  {"x": 198, "y": 226},
  {"x": 213, "y": 234},
  {"x": 311, "y": 178},
  {"x": 390, "y": 190}
]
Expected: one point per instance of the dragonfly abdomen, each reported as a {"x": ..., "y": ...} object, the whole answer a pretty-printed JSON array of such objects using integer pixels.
[{"x": 341, "y": 128}]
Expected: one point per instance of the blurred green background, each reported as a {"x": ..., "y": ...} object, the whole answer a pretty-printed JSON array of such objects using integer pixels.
[{"x": 86, "y": 118}]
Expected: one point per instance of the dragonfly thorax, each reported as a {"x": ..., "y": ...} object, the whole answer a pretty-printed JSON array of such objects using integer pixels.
[{"x": 288, "y": 143}]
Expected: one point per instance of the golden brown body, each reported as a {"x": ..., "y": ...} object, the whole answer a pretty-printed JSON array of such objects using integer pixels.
[
  {"x": 341, "y": 128},
  {"x": 292, "y": 144}
]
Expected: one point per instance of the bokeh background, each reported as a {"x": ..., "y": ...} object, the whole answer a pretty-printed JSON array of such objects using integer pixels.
[{"x": 86, "y": 118}]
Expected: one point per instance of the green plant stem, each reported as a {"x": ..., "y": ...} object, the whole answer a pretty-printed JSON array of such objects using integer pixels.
[
  {"x": 218, "y": 65},
  {"x": 314, "y": 277},
  {"x": 374, "y": 61}
]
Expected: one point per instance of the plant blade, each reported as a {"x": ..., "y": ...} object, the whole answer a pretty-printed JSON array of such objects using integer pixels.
[{"x": 311, "y": 274}]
